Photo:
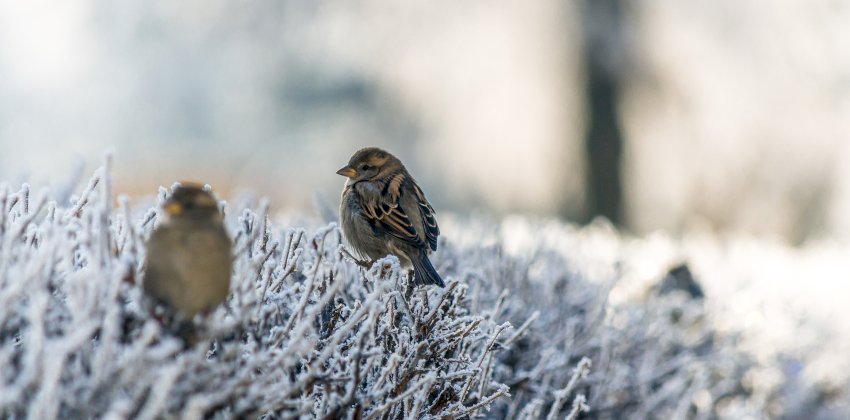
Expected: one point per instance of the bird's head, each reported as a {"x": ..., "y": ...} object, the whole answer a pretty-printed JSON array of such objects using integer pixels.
[
  {"x": 370, "y": 163},
  {"x": 192, "y": 202}
]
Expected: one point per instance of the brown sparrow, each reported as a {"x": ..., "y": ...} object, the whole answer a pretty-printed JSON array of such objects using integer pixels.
[
  {"x": 188, "y": 255},
  {"x": 383, "y": 212}
]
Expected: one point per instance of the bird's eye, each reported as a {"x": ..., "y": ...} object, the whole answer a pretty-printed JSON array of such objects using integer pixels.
[
  {"x": 365, "y": 167},
  {"x": 189, "y": 205}
]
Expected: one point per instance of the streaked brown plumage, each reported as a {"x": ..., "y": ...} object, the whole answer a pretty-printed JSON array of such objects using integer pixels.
[
  {"x": 188, "y": 255},
  {"x": 383, "y": 211}
]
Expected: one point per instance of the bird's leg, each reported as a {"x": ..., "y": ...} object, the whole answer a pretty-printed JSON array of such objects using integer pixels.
[
  {"x": 424, "y": 292},
  {"x": 362, "y": 263},
  {"x": 410, "y": 286}
]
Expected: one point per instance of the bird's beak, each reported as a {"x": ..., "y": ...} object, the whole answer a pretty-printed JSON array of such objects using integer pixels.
[
  {"x": 173, "y": 208},
  {"x": 347, "y": 171}
]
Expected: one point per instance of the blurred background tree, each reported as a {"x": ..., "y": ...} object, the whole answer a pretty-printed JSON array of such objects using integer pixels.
[{"x": 605, "y": 68}]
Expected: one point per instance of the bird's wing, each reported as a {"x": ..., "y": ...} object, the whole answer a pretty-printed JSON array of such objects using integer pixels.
[
  {"x": 383, "y": 208},
  {"x": 429, "y": 222}
]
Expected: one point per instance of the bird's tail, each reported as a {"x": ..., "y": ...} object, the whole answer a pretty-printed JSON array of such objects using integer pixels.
[{"x": 424, "y": 272}]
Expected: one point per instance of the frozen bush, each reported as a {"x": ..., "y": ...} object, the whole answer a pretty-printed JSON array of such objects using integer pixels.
[{"x": 520, "y": 331}]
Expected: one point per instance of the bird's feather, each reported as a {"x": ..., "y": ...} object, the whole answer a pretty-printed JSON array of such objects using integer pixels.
[
  {"x": 386, "y": 210},
  {"x": 429, "y": 222}
]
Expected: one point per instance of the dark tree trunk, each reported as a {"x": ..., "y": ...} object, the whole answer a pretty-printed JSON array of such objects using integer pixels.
[{"x": 605, "y": 61}]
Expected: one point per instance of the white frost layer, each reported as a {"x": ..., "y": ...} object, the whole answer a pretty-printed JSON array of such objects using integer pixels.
[{"x": 538, "y": 320}]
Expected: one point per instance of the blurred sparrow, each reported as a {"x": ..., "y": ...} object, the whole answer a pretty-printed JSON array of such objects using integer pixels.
[
  {"x": 383, "y": 212},
  {"x": 188, "y": 255}
]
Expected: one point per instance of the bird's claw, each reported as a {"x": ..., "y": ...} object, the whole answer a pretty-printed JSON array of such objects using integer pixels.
[{"x": 362, "y": 263}]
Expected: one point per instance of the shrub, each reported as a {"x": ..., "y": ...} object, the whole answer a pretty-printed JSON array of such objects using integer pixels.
[{"x": 306, "y": 332}]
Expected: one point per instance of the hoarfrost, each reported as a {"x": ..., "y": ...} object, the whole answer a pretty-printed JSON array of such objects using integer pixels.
[{"x": 518, "y": 332}]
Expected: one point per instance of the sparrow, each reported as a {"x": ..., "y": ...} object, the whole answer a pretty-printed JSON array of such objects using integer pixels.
[
  {"x": 189, "y": 261},
  {"x": 383, "y": 211}
]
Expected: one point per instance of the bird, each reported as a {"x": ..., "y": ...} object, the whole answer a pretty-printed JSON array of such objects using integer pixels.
[
  {"x": 188, "y": 262},
  {"x": 383, "y": 211}
]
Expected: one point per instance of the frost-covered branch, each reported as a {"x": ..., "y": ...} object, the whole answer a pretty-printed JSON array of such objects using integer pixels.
[{"x": 308, "y": 332}]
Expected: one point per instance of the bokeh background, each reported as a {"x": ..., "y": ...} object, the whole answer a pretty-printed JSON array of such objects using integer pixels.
[{"x": 659, "y": 115}]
